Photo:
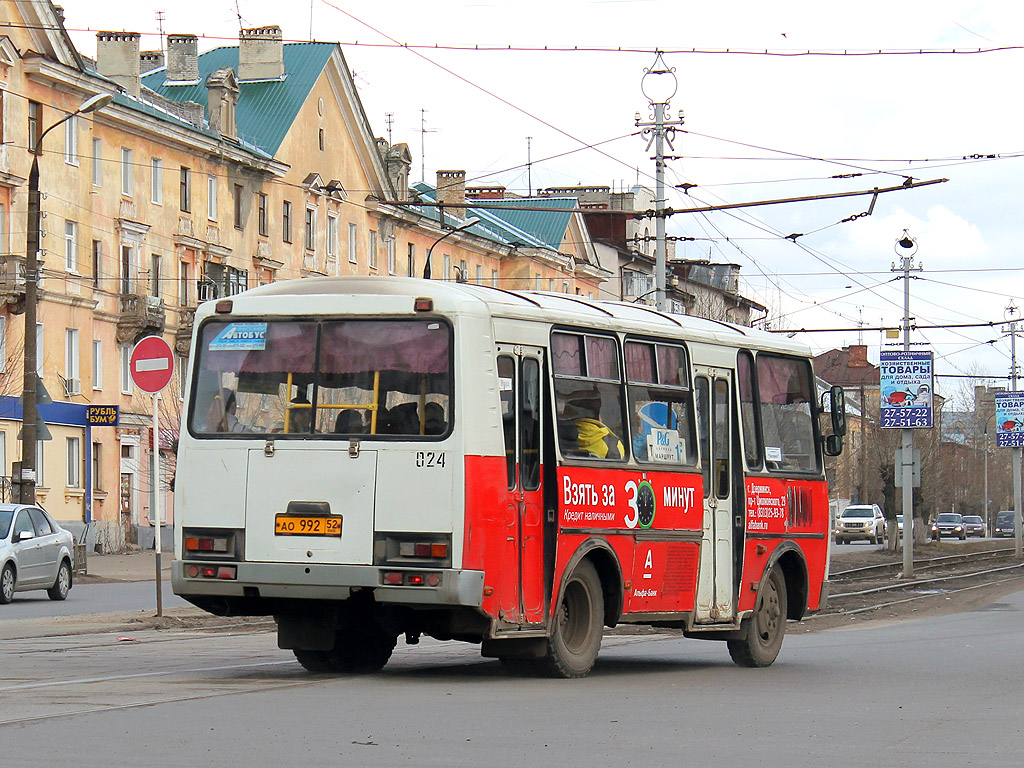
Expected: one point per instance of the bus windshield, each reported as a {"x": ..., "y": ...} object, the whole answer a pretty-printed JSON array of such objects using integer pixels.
[{"x": 299, "y": 378}]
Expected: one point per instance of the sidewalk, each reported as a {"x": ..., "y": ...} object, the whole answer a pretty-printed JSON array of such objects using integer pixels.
[{"x": 137, "y": 565}]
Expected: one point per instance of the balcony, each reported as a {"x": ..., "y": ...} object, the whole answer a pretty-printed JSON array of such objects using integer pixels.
[
  {"x": 140, "y": 316},
  {"x": 183, "y": 336},
  {"x": 12, "y": 282}
]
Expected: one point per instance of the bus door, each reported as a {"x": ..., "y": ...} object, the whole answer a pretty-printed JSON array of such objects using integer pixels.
[
  {"x": 522, "y": 586},
  {"x": 715, "y": 602}
]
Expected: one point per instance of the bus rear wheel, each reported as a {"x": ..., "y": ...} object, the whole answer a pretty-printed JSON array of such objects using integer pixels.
[
  {"x": 353, "y": 653},
  {"x": 576, "y": 637},
  {"x": 763, "y": 632}
]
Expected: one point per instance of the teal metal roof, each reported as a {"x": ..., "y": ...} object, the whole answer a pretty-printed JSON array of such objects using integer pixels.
[
  {"x": 547, "y": 226},
  {"x": 265, "y": 110},
  {"x": 536, "y": 229}
]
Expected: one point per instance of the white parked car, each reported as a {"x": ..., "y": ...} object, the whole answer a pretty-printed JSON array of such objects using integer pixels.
[
  {"x": 35, "y": 553},
  {"x": 861, "y": 521}
]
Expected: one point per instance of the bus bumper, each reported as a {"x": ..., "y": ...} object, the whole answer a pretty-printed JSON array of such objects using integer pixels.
[{"x": 292, "y": 581}]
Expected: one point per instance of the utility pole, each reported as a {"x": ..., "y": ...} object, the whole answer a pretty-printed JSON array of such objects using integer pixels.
[
  {"x": 423, "y": 144},
  {"x": 909, "y": 248},
  {"x": 659, "y": 85},
  {"x": 1012, "y": 315},
  {"x": 529, "y": 168}
]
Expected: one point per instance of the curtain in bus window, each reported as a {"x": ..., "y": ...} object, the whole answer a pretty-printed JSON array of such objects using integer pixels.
[
  {"x": 672, "y": 366},
  {"x": 602, "y": 358},
  {"x": 748, "y": 412},
  {"x": 565, "y": 354},
  {"x": 784, "y": 389},
  {"x": 640, "y": 362}
]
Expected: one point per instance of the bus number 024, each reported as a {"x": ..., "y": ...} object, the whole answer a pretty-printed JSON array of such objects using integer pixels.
[{"x": 429, "y": 459}]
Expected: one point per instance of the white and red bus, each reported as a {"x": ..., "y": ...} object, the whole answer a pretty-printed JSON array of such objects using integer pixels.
[{"x": 364, "y": 458}]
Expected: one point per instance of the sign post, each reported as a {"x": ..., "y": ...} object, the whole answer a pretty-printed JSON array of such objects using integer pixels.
[{"x": 151, "y": 366}]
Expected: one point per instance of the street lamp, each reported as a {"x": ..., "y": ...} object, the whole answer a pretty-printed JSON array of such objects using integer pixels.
[
  {"x": 464, "y": 225},
  {"x": 29, "y": 413}
]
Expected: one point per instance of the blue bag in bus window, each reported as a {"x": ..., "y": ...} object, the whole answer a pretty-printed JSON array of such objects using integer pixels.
[{"x": 656, "y": 436}]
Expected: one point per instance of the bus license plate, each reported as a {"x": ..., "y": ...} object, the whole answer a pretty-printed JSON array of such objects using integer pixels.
[{"x": 307, "y": 525}]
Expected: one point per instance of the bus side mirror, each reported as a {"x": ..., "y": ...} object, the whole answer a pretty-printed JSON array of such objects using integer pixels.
[
  {"x": 838, "y": 403},
  {"x": 833, "y": 445}
]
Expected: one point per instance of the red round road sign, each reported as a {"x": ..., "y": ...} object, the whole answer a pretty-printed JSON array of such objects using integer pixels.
[{"x": 152, "y": 364}]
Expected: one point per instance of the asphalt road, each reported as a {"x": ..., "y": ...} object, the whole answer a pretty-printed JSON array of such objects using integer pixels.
[
  {"x": 942, "y": 693},
  {"x": 91, "y": 598}
]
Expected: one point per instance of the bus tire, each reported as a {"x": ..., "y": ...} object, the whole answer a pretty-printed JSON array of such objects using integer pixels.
[
  {"x": 359, "y": 653},
  {"x": 578, "y": 622},
  {"x": 762, "y": 634},
  {"x": 313, "y": 661}
]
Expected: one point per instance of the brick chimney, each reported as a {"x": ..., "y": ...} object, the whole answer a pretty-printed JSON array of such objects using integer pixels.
[
  {"x": 150, "y": 60},
  {"x": 451, "y": 190},
  {"x": 260, "y": 54},
  {"x": 117, "y": 57},
  {"x": 182, "y": 59},
  {"x": 858, "y": 356}
]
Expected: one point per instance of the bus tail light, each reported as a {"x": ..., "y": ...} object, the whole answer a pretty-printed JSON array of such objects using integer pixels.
[
  {"x": 211, "y": 543},
  {"x": 432, "y": 550},
  {"x": 410, "y": 579},
  {"x": 212, "y": 571}
]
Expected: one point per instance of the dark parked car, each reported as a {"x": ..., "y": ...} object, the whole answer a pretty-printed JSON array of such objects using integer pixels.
[
  {"x": 949, "y": 524},
  {"x": 975, "y": 526},
  {"x": 1004, "y": 524},
  {"x": 35, "y": 553}
]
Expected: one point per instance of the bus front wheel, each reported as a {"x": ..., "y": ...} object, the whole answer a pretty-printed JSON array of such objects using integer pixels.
[
  {"x": 578, "y": 621},
  {"x": 763, "y": 632}
]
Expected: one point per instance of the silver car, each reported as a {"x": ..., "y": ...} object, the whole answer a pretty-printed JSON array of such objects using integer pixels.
[{"x": 35, "y": 553}]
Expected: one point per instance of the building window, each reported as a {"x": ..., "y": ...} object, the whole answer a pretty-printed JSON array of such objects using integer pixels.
[
  {"x": 97, "y": 162},
  {"x": 536, "y": 282},
  {"x": 494, "y": 278},
  {"x": 35, "y": 114},
  {"x": 372, "y": 245},
  {"x": 185, "y": 289},
  {"x": 411, "y": 258},
  {"x": 3, "y": 349},
  {"x": 321, "y": 139},
  {"x": 286, "y": 222},
  {"x": 97, "y": 364},
  {"x": 479, "y": 274},
  {"x": 154, "y": 276},
  {"x": 97, "y": 466},
  {"x": 353, "y": 240},
  {"x": 332, "y": 236},
  {"x": 128, "y": 269},
  {"x": 127, "y": 172},
  {"x": 551, "y": 284},
  {"x": 71, "y": 369},
  {"x": 70, "y": 247},
  {"x": 447, "y": 266},
  {"x": 71, "y": 140},
  {"x": 185, "y": 190},
  {"x": 74, "y": 461},
  {"x": 156, "y": 180},
  {"x": 261, "y": 207},
  {"x": 310, "y": 229},
  {"x": 39, "y": 348},
  {"x": 463, "y": 275},
  {"x": 40, "y": 454},
  {"x": 126, "y": 369},
  {"x": 239, "y": 220},
  {"x": 211, "y": 198}
]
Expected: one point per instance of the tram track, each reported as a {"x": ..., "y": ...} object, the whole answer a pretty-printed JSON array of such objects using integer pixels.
[{"x": 861, "y": 590}]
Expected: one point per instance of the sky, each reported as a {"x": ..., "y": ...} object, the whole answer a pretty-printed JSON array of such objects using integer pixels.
[{"x": 780, "y": 100}]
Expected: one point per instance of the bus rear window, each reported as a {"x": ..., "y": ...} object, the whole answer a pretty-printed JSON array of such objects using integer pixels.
[{"x": 297, "y": 378}]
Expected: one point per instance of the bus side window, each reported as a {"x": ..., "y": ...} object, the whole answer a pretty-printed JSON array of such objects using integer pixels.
[
  {"x": 529, "y": 427},
  {"x": 704, "y": 430},
  {"x": 748, "y": 411}
]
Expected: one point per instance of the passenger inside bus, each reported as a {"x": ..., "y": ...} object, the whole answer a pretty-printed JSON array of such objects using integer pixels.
[
  {"x": 435, "y": 422},
  {"x": 300, "y": 414},
  {"x": 350, "y": 422},
  {"x": 581, "y": 432},
  {"x": 220, "y": 416}
]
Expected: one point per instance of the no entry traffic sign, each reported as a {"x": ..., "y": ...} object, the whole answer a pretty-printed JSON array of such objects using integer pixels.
[{"x": 152, "y": 364}]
